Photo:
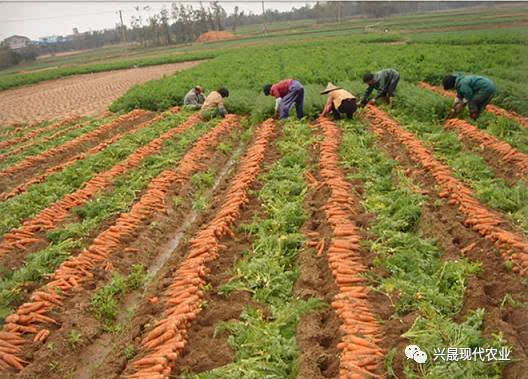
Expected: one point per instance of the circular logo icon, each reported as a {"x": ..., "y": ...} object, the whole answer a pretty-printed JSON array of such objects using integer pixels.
[{"x": 415, "y": 353}]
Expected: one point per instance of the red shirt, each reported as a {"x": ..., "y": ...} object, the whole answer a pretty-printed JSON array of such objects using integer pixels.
[{"x": 280, "y": 89}]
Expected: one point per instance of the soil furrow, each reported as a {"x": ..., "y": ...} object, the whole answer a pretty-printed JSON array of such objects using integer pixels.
[
  {"x": 443, "y": 223},
  {"x": 162, "y": 345},
  {"x": 317, "y": 332},
  {"x": 77, "y": 270},
  {"x": 61, "y": 166},
  {"x": 37, "y": 163},
  {"x": 489, "y": 224},
  {"x": 490, "y": 108},
  {"x": 361, "y": 354},
  {"x": 27, "y": 235}
]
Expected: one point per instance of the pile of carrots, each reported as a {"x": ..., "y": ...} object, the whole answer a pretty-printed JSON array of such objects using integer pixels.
[
  {"x": 164, "y": 343},
  {"x": 71, "y": 145},
  {"x": 502, "y": 149},
  {"x": 34, "y": 133},
  {"x": 72, "y": 273},
  {"x": 361, "y": 355},
  {"x": 25, "y": 235},
  {"x": 490, "y": 107},
  {"x": 94, "y": 150},
  {"x": 44, "y": 139},
  {"x": 486, "y": 223}
]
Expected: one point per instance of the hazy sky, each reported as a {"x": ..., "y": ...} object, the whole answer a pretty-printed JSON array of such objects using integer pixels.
[{"x": 43, "y": 18}]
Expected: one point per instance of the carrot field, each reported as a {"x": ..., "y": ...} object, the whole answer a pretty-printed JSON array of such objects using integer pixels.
[{"x": 151, "y": 243}]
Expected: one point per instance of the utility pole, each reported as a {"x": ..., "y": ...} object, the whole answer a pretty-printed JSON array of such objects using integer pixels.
[
  {"x": 123, "y": 30},
  {"x": 264, "y": 15}
]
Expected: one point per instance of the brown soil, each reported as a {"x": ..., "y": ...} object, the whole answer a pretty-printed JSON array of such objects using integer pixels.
[
  {"x": 88, "y": 94},
  {"x": 215, "y": 36},
  {"x": 317, "y": 332},
  {"x": 78, "y": 316},
  {"x": 443, "y": 223},
  {"x": 23, "y": 175}
]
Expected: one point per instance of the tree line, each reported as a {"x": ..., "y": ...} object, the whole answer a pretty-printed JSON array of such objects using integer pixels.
[{"x": 183, "y": 23}]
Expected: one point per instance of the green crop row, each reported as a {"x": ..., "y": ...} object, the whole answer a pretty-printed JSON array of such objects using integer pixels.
[
  {"x": 90, "y": 216},
  {"x": 418, "y": 278},
  {"x": 42, "y": 145},
  {"x": 466, "y": 166},
  {"x": 265, "y": 345},
  {"x": 245, "y": 71},
  {"x": 39, "y": 196}
]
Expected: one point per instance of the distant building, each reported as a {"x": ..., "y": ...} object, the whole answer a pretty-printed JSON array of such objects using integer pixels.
[{"x": 17, "y": 42}]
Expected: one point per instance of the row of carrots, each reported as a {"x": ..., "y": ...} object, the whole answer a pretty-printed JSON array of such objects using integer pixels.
[
  {"x": 18, "y": 127},
  {"x": 488, "y": 224},
  {"x": 490, "y": 107},
  {"x": 94, "y": 150},
  {"x": 72, "y": 273},
  {"x": 507, "y": 153},
  {"x": 163, "y": 344},
  {"x": 34, "y": 133},
  {"x": 51, "y": 137},
  {"x": 35, "y": 160},
  {"x": 25, "y": 236},
  {"x": 361, "y": 356}
]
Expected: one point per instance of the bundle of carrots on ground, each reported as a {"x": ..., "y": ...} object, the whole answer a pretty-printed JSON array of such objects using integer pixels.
[
  {"x": 510, "y": 244},
  {"x": 490, "y": 107},
  {"x": 47, "y": 219},
  {"x": 361, "y": 356},
  {"x": 73, "y": 272},
  {"x": 502, "y": 149},
  {"x": 35, "y": 160},
  {"x": 35, "y": 133},
  {"x": 183, "y": 298},
  {"x": 94, "y": 150}
]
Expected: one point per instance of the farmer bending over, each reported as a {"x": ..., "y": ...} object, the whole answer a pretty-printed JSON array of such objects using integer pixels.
[
  {"x": 214, "y": 104},
  {"x": 384, "y": 82},
  {"x": 194, "y": 98},
  {"x": 476, "y": 91},
  {"x": 339, "y": 101},
  {"x": 286, "y": 92}
]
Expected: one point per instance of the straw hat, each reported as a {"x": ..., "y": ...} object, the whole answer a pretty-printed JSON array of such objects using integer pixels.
[
  {"x": 329, "y": 87},
  {"x": 199, "y": 88}
]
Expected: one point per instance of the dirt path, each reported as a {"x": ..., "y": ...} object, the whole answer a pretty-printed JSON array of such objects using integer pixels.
[{"x": 88, "y": 94}]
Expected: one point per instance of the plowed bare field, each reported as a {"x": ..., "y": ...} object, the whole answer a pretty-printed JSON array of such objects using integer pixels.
[{"x": 88, "y": 94}]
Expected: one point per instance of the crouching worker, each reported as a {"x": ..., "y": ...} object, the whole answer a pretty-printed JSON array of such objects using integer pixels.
[
  {"x": 214, "y": 104},
  {"x": 384, "y": 82},
  {"x": 286, "y": 92},
  {"x": 194, "y": 98},
  {"x": 476, "y": 91},
  {"x": 339, "y": 101}
]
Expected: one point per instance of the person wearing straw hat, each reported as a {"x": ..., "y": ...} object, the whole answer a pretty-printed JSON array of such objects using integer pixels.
[
  {"x": 339, "y": 101},
  {"x": 194, "y": 98}
]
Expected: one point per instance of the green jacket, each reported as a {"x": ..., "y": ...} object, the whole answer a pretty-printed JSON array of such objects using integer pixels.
[
  {"x": 468, "y": 86},
  {"x": 382, "y": 81}
]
